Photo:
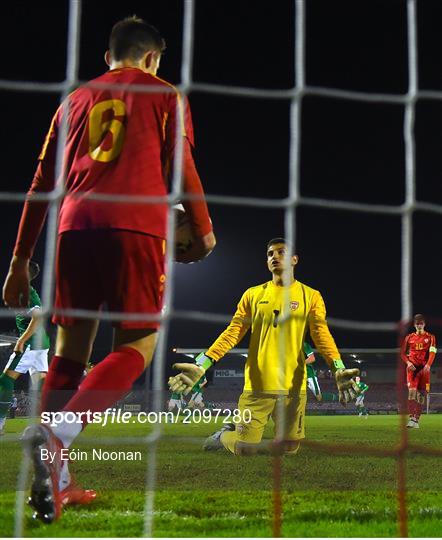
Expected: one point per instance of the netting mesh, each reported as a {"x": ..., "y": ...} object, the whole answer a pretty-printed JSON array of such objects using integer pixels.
[{"x": 289, "y": 205}]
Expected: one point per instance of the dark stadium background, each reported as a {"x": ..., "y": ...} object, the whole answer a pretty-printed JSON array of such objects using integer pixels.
[{"x": 350, "y": 151}]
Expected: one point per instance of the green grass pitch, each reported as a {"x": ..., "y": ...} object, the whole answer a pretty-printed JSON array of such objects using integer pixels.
[{"x": 216, "y": 494}]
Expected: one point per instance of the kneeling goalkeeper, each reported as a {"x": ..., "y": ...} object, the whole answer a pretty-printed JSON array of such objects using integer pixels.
[{"x": 279, "y": 313}]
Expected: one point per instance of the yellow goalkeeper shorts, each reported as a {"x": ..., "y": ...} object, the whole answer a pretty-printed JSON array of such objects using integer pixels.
[{"x": 262, "y": 407}]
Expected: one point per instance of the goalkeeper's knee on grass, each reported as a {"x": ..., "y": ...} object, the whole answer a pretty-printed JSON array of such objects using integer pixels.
[{"x": 267, "y": 447}]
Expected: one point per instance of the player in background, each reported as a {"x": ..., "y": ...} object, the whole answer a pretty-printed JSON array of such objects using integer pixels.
[
  {"x": 30, "y": 351},
  {"x": 176, "y": 401},
  {"x": 196, "y": 397},
  {"x": 360, "y": 407},
  {"x": 312, "y": 379},
  {"x": 14, "y": 406},
  {"x": 119, "y": 142},
  {"x": 418, "y": 351},
  {"x": 278, "y": 312}
]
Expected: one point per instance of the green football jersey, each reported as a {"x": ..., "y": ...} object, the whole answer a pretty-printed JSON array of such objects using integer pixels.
[
  {"x": 199, "y": 384},
  {"x": 311, "y": 372},
  {"x": 40, "y": 339},
  {"x": 362, "y": 387},
  {"x": 308, "y": 351}
]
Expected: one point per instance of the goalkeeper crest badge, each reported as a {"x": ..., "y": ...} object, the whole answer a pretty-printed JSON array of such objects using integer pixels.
[
  {"x": 294, "y": 305},
  {"x": 241, "y": 429}
]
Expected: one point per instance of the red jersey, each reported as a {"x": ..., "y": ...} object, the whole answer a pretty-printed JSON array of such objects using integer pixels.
[
  {"x": 420, "y": 349},
  {"x": 120, "y": 143}
]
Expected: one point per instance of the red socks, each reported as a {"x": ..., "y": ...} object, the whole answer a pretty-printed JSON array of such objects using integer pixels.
[
  {"x": 414, "y": 409},
  {"x": 61, "y": 383},
  {"x": 108, "y": 382},
  {"x": 411, "y": 407},
  {"x": 417, "y": 411}
]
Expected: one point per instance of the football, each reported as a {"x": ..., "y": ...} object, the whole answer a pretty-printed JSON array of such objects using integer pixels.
[{"x": 183, "y": 231}]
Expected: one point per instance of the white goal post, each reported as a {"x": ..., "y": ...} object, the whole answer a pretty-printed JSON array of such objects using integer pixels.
[{"x": 429, "y": 399}]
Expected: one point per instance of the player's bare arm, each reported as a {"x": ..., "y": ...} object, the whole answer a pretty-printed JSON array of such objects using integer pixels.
[
  {"x": 404, "y": 355},
  {"x": 310, "y": 359},
  {"x": 33, "y": 325},
  {"x": 204, "y": 240},
  {"x": 431, "y": 354},
  {"x": 16, "y": 286}
]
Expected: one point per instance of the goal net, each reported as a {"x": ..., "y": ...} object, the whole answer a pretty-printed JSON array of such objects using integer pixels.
[{"x": 383, "y": 396}]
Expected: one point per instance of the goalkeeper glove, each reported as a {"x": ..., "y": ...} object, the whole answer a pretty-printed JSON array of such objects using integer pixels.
[
  {"x": 190, "y": 374},
  {"x": 347, "y": 387}
]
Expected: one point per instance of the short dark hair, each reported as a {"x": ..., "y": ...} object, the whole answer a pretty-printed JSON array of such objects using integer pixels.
[
  {"x": 274, "y": 241},
  {"x": 418, "y": 318},
  {"x": 34, "y": 270},
  {"x": 132, "y": 37}
]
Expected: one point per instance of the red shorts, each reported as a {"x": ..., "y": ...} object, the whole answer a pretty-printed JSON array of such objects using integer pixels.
[
  {"x": 122, "y": 270},
  {"x": 419, "y": 379}
]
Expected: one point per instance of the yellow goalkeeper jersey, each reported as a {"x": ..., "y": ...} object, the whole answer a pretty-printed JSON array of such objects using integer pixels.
[{"x": 279, "y": 318}]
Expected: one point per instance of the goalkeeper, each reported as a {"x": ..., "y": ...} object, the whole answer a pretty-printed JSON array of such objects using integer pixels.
[{"x": 279, "y": 313}]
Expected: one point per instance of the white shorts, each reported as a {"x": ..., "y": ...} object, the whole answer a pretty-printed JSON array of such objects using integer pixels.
[
  {"x": 313, "y": 384},
  {"x": 175, "y": 403},
  {"x": 197, "y": 398},
  {"x": 359, "y": 400},
  {"x": 31, "y": 360}
]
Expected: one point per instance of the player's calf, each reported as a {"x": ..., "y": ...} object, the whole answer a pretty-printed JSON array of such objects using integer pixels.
[
  {"x": 420, "y": 397},
  {"x": 6, "y": 393}
]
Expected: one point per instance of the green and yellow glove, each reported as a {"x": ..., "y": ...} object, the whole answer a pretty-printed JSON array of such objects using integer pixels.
[
  {"x": 190, "y": 374},
  {"x": 347, "y": 386}
]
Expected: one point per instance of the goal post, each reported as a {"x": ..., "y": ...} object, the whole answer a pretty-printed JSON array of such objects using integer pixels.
[{"x": 434, "y": 396}]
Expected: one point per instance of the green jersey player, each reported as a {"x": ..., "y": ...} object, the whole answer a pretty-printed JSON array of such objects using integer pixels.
[
  {"x": 30, "y": 351},
  {"x": 360, "y": 407},
  {"x": 196, "y": 399},
  {"x": 312, "y": 378},
  {"x": 176, "y": 401}
]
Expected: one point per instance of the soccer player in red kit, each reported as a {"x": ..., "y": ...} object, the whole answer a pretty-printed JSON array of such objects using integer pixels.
[
  {"x": 418, "y": 351},
  {"x": 119, "y": 142}
]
